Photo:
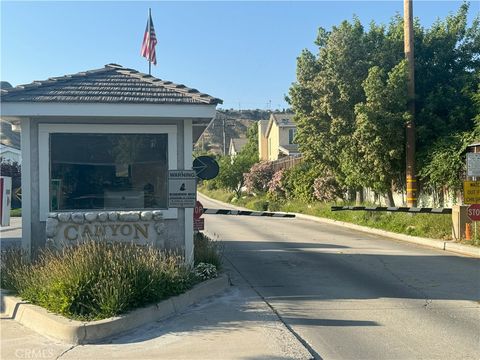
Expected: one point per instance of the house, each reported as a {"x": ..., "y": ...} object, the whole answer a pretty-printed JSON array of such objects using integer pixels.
[
  {"x": 276, "y": 137},
  {"x": 236, "y": 145},
  {"x": 262, "y": 140},
  {"x": 104, "y": 154},
  {"x": 9, "y": 143}
]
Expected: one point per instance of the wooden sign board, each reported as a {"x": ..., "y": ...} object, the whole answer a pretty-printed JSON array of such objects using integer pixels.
[{"x": 471, "y": 192}]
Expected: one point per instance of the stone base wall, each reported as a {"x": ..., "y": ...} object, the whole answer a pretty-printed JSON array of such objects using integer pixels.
[{"x": 138, "y": 227}]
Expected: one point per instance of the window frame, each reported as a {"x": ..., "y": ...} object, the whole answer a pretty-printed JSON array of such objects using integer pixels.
[
  {"x": 291, "y": 138},
  {"x": 44, "y": 156}
]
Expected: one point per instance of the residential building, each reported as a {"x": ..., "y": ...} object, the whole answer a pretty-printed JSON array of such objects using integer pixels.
[
  {"x": 277, "y": 139},
  {"x": 236, "y": 145},
  {"x": 262, "y": 140},
  {"x": 9, "y": 143}
]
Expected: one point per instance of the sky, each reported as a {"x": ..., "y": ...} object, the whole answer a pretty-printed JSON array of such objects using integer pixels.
[{"x": 243, "y": 52}]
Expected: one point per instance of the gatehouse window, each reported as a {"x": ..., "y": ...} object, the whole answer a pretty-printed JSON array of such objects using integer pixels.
[
  {"x": 108, "y": 171},
  {"x": 105, "y": 166}
]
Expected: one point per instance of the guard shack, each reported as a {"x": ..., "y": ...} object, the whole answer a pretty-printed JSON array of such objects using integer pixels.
[{"x": 97, "y": 147}]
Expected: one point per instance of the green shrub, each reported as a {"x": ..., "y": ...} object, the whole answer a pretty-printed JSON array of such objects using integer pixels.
[
  {"x": 274, "y": 206},
  {"x": 258, "y": 205},
  {"x": 298, "y": 182},
  {"x": 207, "y": 250},
  {"x": 96, "y": 279},
  {"x": 16, "y": 212},
  {"x": 205, "y": 271}
]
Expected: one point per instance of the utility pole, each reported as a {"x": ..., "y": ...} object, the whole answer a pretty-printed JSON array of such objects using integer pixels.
[
  {"x": 224, "y": 149},
  {"x": 410, "y": 126}
]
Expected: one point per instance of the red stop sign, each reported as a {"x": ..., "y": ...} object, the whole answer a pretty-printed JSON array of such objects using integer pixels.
[
  {"x": 197, "y": 210},
  {"x": 473, "y": 212}
]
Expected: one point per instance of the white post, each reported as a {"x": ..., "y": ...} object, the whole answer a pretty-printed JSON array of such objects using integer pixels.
[
  {"x": 187, "y": 165},
  {"x": 6, "y": 199}
]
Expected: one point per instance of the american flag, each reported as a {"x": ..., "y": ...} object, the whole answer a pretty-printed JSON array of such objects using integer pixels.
[{"x": 149, "y": 42}]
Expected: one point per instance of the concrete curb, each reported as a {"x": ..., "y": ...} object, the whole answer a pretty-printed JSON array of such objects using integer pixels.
[
  {"x": 80, "y": 332},
  {"x": 9, "y": 228},
  {"x": 433, "y": 243}
]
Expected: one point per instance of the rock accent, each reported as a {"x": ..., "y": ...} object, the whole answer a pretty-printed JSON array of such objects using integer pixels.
[
  {"x": 129, "y": 216},
  {"x": 113, "y": 215},
  {"x": 51, "y": 227},
  {"x": 146, "y": 215},
  {"x": 78, "y": 218},
  {"x": 64, "y": 216},
  {"x": 102, "y": 216},
  {"x": 90, "y": 216},
  {"x": 157, "y": 215}
]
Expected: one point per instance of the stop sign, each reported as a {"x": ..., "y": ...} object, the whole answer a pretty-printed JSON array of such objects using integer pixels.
[
  {"x": 198, "y": 210},
  {"x": 473, "y": 212}
]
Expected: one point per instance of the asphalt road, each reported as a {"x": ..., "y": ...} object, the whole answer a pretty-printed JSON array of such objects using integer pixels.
[{"x": 350, "y": 295}]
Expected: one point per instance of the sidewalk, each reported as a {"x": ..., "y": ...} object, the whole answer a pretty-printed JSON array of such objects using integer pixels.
[
  {"x": 233, "y": 325},
  {"x": 15, "y": 224},
  {"x": 450, "y": 246}
]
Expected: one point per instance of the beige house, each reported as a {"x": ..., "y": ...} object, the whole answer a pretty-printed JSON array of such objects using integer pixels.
[{"x": 276, "y": 137}]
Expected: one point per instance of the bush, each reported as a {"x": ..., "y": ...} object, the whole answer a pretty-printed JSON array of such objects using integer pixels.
[
  {"x": 275, "y": 186},
  {"x": 257, "y": 179},
  {"x": 205, "y": 271},
  {"x": 207, "y": 250},
  {"x": 16, "y": 212},
  {"x": 258, "y": 205},
  {"x": 326, "y": 188},
  {"x": 298, "y": 182},
  {"x": 96, "y": 279}
]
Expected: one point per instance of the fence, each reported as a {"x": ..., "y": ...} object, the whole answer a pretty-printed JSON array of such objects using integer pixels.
[{"x": 286, "y": 162}]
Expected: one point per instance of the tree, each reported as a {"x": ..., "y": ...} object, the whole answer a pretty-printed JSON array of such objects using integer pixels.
[
  {"x": 350, "y": 105},
  {"x": 376, "y": 158},
  {"x": 231, "y": 172}
]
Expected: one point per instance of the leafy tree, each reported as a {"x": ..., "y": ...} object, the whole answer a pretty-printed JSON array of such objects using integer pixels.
[
  {"x": 378, "y": 139},
  {"x": 447, "y": 60},
  {"x": 324, "y": 97},
  {"x": 350, "y": 101},
  {"x": 231, "y": 172}
]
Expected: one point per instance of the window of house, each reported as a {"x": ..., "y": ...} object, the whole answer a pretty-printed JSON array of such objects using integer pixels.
[
  {"x": 291, "y": 135},
  {"x": 108, "y": 171}
]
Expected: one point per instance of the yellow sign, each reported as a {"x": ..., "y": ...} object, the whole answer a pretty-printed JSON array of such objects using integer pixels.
[{"x": 471, "y": 192}]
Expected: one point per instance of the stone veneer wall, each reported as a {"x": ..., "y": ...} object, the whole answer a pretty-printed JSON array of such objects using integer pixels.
[{"x": 143, "y": 227}]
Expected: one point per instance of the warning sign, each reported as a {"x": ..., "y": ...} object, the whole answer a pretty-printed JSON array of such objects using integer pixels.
[
  {"x": 182, "y": 188},
  {"x": 471, "y": 192}
]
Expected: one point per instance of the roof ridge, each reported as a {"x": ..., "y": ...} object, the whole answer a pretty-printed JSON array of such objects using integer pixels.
[
  {"x": 53, "y": 80},
  {"x": 181, "y": 88}
]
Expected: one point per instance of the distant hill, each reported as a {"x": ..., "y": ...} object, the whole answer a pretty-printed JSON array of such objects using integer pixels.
[{"x": 236, "y": 125}]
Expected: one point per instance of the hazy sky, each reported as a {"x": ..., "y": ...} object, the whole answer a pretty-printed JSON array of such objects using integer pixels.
[{"x": 242, "y": 52}]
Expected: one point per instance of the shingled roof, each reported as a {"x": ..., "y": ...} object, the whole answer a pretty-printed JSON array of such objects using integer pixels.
[{"x": 111, "y": 84}]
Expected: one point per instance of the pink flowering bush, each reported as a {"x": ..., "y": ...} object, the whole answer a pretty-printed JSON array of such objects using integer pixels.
[
  {"x": 326, "y": 188},
  {"x": 275, "y": 186},
  {"x": 257, "y": 179}
]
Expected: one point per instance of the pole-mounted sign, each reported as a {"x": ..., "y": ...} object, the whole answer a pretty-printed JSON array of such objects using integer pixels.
[
  {"x": 182, "y": 189},
  {"x": 205, "y": 167},
  {"x": 473, "y": 212}
]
